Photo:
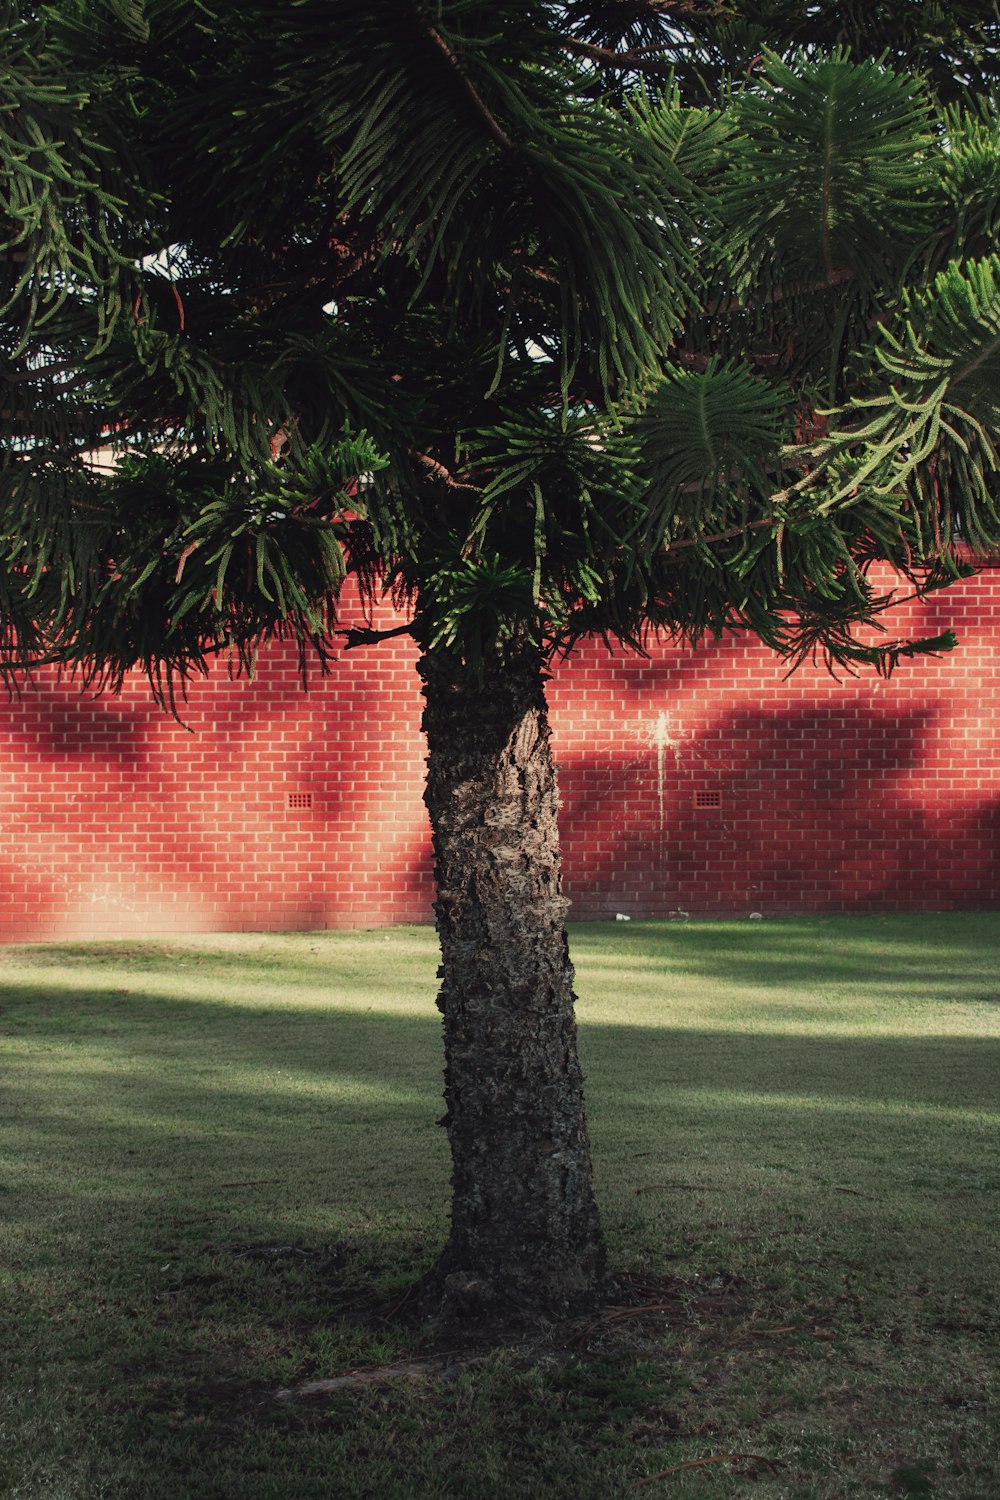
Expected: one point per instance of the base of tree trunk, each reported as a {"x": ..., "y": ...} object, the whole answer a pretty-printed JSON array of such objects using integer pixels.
[
  {"x": 526, "y": 1243},
  {"x": 458, "y": 1304}
]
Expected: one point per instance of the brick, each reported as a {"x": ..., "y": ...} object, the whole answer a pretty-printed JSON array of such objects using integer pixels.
[{"x": 831, "y": 792}]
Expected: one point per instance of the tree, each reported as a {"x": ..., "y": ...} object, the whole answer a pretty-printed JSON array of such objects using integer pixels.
[{"x": 545, "y": 319}]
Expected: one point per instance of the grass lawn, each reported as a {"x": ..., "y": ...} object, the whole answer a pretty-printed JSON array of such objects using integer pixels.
[{"x": 220, "y": 1169}]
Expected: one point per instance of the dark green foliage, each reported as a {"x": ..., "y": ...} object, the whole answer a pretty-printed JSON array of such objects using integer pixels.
[
  {"x": 833, "y": 171},
  {"x": 474, "y": 303}
]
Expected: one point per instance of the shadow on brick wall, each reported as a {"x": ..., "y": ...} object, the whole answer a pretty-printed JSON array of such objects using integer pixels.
[{"x": 833, "y": 807}]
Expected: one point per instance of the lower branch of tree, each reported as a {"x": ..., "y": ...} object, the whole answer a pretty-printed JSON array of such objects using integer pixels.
[{"x": 368, "y": 636}]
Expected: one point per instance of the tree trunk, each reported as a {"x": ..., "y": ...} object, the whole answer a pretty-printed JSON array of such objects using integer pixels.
[{"x": 525, "y": 1239}]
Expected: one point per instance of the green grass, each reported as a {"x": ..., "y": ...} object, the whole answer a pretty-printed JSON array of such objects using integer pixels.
[{"x": 795, "y": 1137}]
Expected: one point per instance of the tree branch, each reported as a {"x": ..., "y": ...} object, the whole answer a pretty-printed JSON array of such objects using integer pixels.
[
  {"x": 636, "y": 58},
  {"x": 22, "y": 377},
  {"x": 778, "y": 294},
  {"x": 691, "y": 10},
  {"x": 367, "y": 636},
  {"x": 722, "y": 536},
  {"x": 493, "y": 125},
  {"x": 441, "y": 475}
]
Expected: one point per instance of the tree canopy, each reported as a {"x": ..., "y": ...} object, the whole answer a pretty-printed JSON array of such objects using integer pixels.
[{"x": 484, "y": 305}]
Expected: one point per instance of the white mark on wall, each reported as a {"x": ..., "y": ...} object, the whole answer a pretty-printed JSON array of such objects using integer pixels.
[{"x": 662, "y": 738}]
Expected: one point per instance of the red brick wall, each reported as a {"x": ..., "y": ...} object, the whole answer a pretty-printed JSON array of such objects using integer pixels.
[
  {"x": 276, "y": 808},
  {"x": 851, "y": 795}
]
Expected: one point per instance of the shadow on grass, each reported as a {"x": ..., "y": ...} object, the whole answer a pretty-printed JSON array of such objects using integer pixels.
[
  {"x": 184, "y": 1046},
  {"x": 333, "y": 959},
  {"x": 923, "y": 953},
  {"x": 120, "y": 1093},
  {"x": 146, "y": 1099},
  {"x": 162, "y": 1144},
  {"x": 928, "y": 954}
]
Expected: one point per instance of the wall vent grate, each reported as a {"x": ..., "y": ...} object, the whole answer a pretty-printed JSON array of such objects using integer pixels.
[
  {"x": 708, "y": 799},
  {"x": 300, "y": 799}
]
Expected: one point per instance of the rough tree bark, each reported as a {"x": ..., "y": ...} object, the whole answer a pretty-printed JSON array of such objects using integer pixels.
[{"x": 525, "y": 1239}]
